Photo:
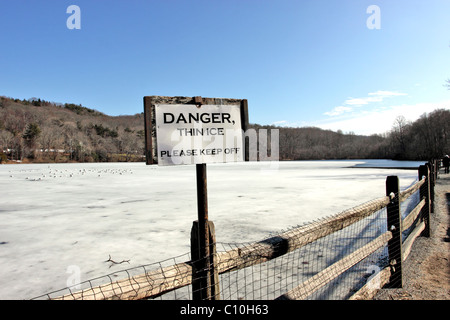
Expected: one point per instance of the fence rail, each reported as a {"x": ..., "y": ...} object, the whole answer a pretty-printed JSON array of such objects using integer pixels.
[
  {"x": 316, "y": 282},
  {"x": 374, "y": 224}
]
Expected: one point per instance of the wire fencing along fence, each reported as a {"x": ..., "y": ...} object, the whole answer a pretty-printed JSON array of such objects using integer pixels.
[{"x": 347, "y": 255}]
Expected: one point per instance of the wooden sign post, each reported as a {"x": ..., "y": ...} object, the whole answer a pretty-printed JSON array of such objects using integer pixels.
[
  {"x": 201, "y": 250},
  {"x": 196, "y": 130}
]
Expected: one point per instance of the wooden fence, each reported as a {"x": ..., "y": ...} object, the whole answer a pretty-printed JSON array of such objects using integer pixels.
[{"x": 151, "y": 284}]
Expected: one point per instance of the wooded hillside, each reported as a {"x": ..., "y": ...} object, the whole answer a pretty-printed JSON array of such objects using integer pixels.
[
  {"x": 424, "y": 139},
  {"x": 39, "y": 130},
  {"x": 42, "y": 131}
]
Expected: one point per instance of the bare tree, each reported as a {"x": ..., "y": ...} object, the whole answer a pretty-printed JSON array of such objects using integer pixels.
[
  {"x": 399, "y": 134},
  {"x": 6, "y": 140},
  {"x": 51, "y": 140}
]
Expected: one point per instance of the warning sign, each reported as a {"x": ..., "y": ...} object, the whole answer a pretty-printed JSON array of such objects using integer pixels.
[{"x": 189, "y": 134}]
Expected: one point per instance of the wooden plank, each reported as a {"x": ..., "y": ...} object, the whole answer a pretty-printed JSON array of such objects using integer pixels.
[
  {"x": 370, "y": 289},
  {"x": 425, "y": 193},
  {"x": 148, "y": 130},
  {"x": 323, "y": 277},
  {"x": 138, "y": 287},
  {"x": 215, "y": 285},
  {"x": 412, "y": 216},
  {"x": 408, "y": 192},
  {"x": 407, "y": 245}
]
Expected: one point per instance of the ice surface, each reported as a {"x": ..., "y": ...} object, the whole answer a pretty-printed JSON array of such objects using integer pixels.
[{"x": 54, "y": 216}]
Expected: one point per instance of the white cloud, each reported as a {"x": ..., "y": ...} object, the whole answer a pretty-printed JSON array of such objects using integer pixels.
[
  {"x": 362, "y": 101},
  {"x": 338, "y": 111},
  {"x": 380, "y": 120},
  {"x": 377, "y": 96},
  {"x": 385, "y": 94}
]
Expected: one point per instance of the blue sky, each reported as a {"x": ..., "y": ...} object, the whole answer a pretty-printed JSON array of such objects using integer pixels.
[{"x": 299, "y": 63}]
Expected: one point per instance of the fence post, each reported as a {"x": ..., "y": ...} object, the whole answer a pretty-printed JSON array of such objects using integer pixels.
[
  {"x": 430, "y": 176},
  {"x": 205, "y": 278},
  {"x": 432, "y": 184},
  {"x": 203, "y": 245},
  {"x": 436, "y": 169},
  {"x": 424, "y": 171},
  {"x": 394, "y": 224}
]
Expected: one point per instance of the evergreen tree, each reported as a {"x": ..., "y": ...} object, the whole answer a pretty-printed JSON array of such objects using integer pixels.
[{"x": 32, "y": 131}]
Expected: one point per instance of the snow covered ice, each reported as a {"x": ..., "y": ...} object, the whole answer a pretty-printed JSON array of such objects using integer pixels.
[{"x": 56, "y": 216}]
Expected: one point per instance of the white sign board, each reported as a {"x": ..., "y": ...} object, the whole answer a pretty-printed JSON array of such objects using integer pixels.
[{"x": 187, "y": 134}]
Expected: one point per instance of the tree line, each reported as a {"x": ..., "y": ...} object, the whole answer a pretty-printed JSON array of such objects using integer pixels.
[
  {"x": 36, "y": 130},
  {"x": 41, "y": 131},
  {"x": 426, "y": 138}
]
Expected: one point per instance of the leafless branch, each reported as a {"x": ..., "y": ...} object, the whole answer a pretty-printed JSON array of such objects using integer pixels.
[{"x": 115, "y": 262}]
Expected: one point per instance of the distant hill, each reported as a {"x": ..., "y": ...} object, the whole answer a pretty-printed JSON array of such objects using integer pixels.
[
  {"x": 36, "y": 130},
  {"x": 424, "y": 139},
  {"x": 39, "y": 130}
]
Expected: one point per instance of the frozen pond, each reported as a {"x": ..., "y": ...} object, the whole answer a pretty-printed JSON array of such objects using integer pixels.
[{"x": 54, "y": 216}]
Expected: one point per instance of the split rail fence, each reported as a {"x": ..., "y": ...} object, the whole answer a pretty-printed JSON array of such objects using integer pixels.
[{"x": 349, "y": 255}]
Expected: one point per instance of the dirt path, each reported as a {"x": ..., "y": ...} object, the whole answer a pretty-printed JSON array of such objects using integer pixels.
[{"x": 426, "y": 272}]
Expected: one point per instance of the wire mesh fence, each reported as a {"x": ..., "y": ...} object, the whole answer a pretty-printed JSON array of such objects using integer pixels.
[
  {"x": 272, "y": 279},
  {"x": 330, "y": 258},
  {"x": 262, "y": 270}
]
